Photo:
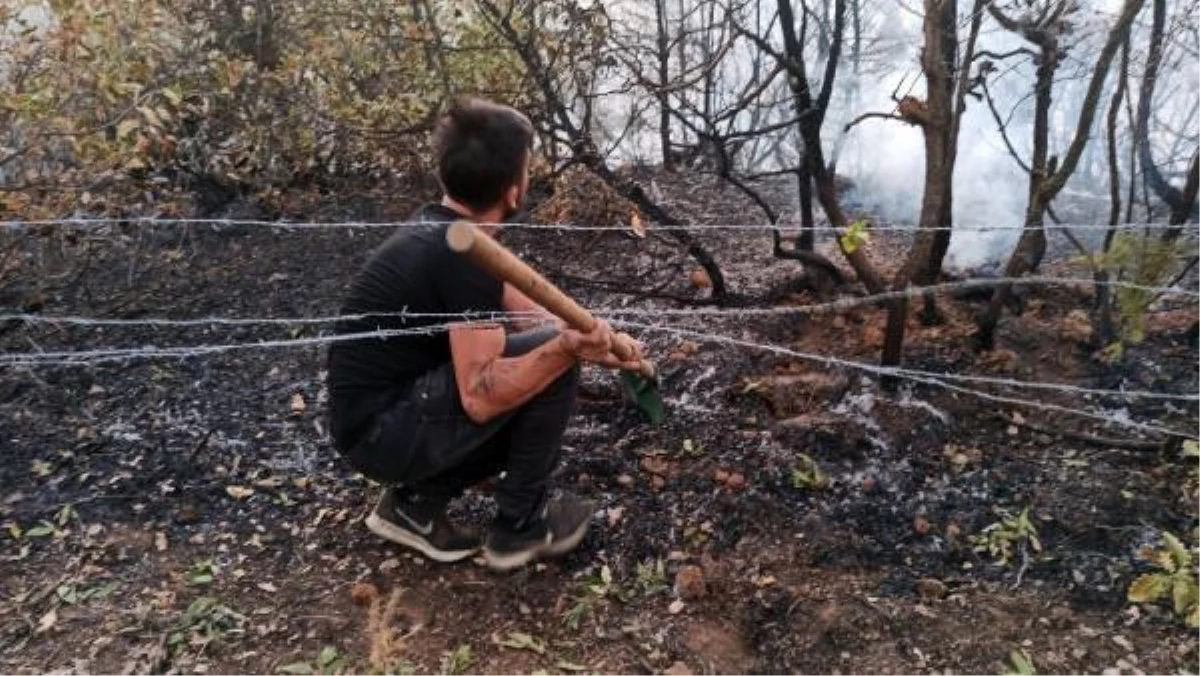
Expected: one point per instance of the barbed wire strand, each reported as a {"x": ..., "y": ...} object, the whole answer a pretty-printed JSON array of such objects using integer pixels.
[
  {"x": 813, "y": 308},
  {"x": 908, "y": 374},
  {"x": 98, "y": 356},
  {"x": 81, "y": 357},
  {"x": 96, "y": 222}
]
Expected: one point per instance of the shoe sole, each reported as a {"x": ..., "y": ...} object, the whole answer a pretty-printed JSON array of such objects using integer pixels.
[
  {"x": 506, "y": 562},
  {"x": 389, "y": 531}
]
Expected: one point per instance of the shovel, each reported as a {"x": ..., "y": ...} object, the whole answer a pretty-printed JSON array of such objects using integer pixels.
[{"x": 464, "y": 238}]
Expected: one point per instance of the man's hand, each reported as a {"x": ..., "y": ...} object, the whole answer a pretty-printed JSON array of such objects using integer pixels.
[{"x": 595, "y": 347}]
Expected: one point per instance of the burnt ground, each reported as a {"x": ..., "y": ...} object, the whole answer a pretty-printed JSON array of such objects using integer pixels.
[{"x": 189, "y": 515}]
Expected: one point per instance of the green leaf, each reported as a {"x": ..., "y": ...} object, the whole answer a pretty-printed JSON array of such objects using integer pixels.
[
  {"x": 40, "y": 531},
  {"x": 297, "y": 668},
  {"x": 1185, "y": 594},
  {"x": 856, "y": 236},
  {"x": 1193, "y": 618},
  {"x": 67, "y": 594},
  {"x": 1022, "y": 663},
  {"x": 14, "y": 530},
  {"x": 1179, "y": 554},
  {"x": 327, "y": 656},
  {"x": 1148, "y": 588},
  {"x": 1191, "y": 449}
]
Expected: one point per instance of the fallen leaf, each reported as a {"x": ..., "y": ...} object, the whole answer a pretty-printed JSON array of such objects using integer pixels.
[
  {"x": 239, "y": 492},
  {"x": 636, "y": 225},
  {"x": 48, "y": 620}
]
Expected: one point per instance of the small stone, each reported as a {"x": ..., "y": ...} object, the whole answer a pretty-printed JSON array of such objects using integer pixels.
[
  {"x": 390, "y": 564},
  {"x": 953, "y": 531},
  {"x": 625, "y": 480},
  {"x": 921, "y": 526},
  {"x": 689, "y": 583},
  {"x": 869, "y": 484},
  {"x": 676, "y": 607},
  {"x": 931, "y": 589},
  {"x": 653, "y": 464},
  {"x": 736, "y": 481},
  {"x": 96, "y": 390},
  {"x": 657, "y": 482},
  {"x": 524, "y": 609},
  {"x": 679, "y": 669},
  {"x": 1123, "y": 642},
  {"x": 839, "y": 322},
  {"x": 614, "y": 515},
  {"x": 1079, "y": 653},
  {"x": 721, "y": 475}
]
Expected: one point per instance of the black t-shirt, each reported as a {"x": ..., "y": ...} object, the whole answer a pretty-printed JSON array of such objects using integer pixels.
[{"x": 413, "y": 271}]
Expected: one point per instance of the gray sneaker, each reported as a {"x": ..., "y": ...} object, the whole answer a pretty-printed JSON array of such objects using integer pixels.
[
  {"x": 555, "y": 530},
  {"x": 421, "y": 526}
]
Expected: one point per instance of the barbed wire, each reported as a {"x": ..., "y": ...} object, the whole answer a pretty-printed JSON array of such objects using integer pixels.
[
  {"x": 610, "y": 312},
  {"x": 923, "y": 377},
  {"x": 96, "y": 222},
  {"x": 108, "y": 355},
  {"x": 87, "y": 357}
]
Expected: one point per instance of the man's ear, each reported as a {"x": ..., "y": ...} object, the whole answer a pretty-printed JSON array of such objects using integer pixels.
[{"x": 512, "y": 197}]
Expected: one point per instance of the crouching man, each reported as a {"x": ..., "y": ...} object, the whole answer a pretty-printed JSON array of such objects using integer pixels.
[{"x": 431, "y": 415}]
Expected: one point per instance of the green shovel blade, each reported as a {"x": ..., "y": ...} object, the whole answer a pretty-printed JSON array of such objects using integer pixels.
[{"x": 644, "y": 393}]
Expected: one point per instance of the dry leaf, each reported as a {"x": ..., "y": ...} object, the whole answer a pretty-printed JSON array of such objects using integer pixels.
[
  {"x": 636, "y": 225},
  {"x": 48, "y": 620},
  {"x": 239, "y": 492}
]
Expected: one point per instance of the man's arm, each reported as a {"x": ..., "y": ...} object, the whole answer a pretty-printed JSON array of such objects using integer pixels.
[{"x": 490, "y": 384}]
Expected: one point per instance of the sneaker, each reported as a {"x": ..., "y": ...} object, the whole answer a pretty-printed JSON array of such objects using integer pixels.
[
  {"x": 556, "y": 530},
  {"x": 421, "y": 526}
]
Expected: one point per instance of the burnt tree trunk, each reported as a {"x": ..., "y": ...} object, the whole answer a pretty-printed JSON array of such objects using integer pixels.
[
  {"x": 1046, "y": 179},
  {"x": 811, "y": 114},
  {"x": 939, "y": 124},
  {"x": 1103, "y": 320},
  {"x": 806, "y": 239},
  {"x": 664, "y": 74},
  {"x": 1170, "y": 195}
]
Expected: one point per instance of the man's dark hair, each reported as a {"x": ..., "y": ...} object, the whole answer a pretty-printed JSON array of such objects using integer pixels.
[{"x": 482, "y": 148}]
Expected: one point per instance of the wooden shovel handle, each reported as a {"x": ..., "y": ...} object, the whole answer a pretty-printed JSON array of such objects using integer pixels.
[{"x": 465, "y": 239}]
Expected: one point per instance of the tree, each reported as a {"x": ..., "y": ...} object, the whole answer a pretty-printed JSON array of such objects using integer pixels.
[
  {"x": 948, "y": 82},
  {"x": 1044, "y": 25}
]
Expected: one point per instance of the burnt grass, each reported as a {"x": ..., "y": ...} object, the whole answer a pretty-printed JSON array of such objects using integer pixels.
[{"x": 133, "y": 541}]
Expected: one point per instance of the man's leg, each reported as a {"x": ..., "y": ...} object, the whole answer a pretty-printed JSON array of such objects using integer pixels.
[{"x": 449, "y": 453}]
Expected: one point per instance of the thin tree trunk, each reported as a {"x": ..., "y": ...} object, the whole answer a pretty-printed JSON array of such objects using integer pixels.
[
  {"x": 1046, "y": 179},
  {"x": 664, "y": 74},
  {"x": 812, "y": 115},
  {"x": 1105, "y": 326}
]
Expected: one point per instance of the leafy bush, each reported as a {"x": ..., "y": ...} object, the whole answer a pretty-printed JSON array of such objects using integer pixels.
[{"x": 246, "y": 94}]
